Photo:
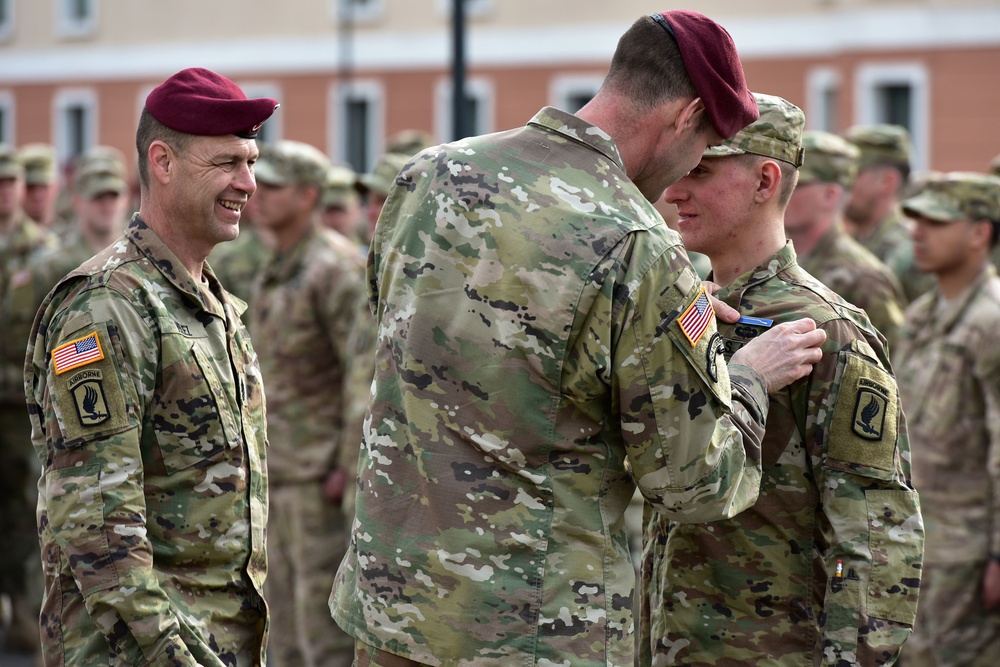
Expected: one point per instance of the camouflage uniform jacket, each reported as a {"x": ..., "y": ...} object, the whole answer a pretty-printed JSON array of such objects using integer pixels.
[
  {"x": 948, "y": 363},
  {"x": 309, "y": 312},
  {"x": 846, "y": 267},
  {"x": 891, "y": 243},
  {"x": 25, "y": 241},
  {"x": 531, "y": 340},
  {"x": 761, "y": 588},
  {"x": 237, "y": 262},
  {"x": 148, "y": 420}
]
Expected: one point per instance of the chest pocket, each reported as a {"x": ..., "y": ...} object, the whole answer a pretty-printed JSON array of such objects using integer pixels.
[
  {"x": 192, "y": 415},
  {"x": 947, "y": 400}
]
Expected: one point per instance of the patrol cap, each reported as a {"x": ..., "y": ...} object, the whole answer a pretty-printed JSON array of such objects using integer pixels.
[
  {"x": 199, "y": 101},
  {"x": 711, "y": 61},
  {"x": 339, "y": 190},
  {"x": 291, "y": 163},
  {"x": 881, "y": 144},
  {"x": 383, "y": 174},
  {"x": 99, "y": 175},
  {"x": 829, "y": 158},
  {"x": 39, "y": 162},
  {"x": 777, "y": 133},
  {"x": 956, "y": 195},
  {"x": 408, "y": 142},
  {"x": 10, "y": 165}
]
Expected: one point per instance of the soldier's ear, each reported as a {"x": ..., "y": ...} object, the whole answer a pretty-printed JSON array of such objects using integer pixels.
[
  {"x": 162, "y": 161},
  {"x": 768, "y": 180}
]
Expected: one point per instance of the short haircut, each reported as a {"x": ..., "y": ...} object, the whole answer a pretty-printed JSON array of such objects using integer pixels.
[
  {"x": 647, "y": 67},
  {"x": 789, "y": 174},
  {"x": 151, "y": 130}
]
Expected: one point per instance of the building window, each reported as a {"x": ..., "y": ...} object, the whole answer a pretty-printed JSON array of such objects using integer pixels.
[
  {"x": 75, "y": 123},
  {"x": 571, "y": 93},
  {"x": 823, "y": 100},
  {"x": 76, "y": 18},
  {"x": 6, "y": 19},
  {"x": 272, "y": 130},
  {"x": 358, "y": 122},
  {"x": 478, "y": 108},
  {"x": 897, "y": 94},
  {"x": 357, "y": 11},
  {"x": 7, "y": 119}
]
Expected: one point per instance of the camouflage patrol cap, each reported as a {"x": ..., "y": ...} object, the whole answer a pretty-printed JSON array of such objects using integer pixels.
[
  {"x": 99, "y": 175},
  {"x": 776, "y": 134},
  {"x": 408, "y": 142},
  {"x": 881, "y": 144},
  {"x": 292, "y": 163},
  {"x": 10, "y": 165},
  {"x": 39, "y": 162},
  {"x": 957, "y": 195},
  {"x": 339, "y": 188},
  {"x": 383, "y": 175},
  {"x": 829, "y": 158}
]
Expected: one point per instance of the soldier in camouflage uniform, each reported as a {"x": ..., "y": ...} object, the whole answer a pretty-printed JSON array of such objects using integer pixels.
[
  {"x": 41, "y": 182},
  {"x": 21, "y": 240},
  {"x": 873, "y": 214},
  {"x": 314, "y": 335},
  {"x": 824, "y": 569},
  {"x": 814, "y": 223},
  {"x": 376, "y": 186},
  {"x": 948, "y": 364},
  {"x": 539, "y": 326},
  {"x": 340, "y": 203},
  {"x": 148, "y": 413}
]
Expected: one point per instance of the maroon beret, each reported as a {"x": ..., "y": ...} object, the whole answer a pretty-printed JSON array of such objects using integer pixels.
[
  {"x": 199, "y": 101},
  {"x": 710, "y": 58}
]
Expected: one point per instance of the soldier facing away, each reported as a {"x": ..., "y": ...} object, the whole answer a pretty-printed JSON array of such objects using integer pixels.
[
  {"x": 539, "y": 325},
  {"x": 825, "y": 568},
  {"x": 148, "y": 413},
  {"x": 948, "y": 363}
]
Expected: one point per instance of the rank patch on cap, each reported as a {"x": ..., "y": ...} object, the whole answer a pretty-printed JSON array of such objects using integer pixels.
[
  {"x": 695, "y": 320},
  {"x": 76, "y": 353}
]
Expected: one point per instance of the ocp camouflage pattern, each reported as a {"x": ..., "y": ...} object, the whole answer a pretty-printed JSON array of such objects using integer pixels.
[
  {"x": 527, "y": 298},
  {"x": 761, "y": 588},
  {"x": 153, "y": 497}
]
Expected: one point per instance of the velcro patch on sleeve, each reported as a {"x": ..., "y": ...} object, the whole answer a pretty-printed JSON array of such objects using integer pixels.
[
  {"x": 76, "y": 353},
  {"x": 866, "y": 415}
]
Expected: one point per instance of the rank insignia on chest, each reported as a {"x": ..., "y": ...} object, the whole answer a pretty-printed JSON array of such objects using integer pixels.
[
  {"x": 76, "y": 353},
  {"x": 870, "y": 409}
]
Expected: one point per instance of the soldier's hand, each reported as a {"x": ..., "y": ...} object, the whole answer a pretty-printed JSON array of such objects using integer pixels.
[
  {"x": 723, "y": 311},
  {"x": 991, "y": 586},
  {"x": 783, "y": 354}
]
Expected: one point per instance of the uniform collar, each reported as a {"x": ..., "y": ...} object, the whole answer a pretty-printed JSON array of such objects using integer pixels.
[
  {"x": 780, "y": 261},
  {"x": 926, "y": 320},
  {"x": 577, "y": 129}
]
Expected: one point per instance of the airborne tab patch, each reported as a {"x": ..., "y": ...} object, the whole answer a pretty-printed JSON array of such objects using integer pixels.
[
  {"x": 695, "y": 320},
  {"x": 76, "y": 353},
  {"x": 863, "y": 430},
  {"x": 87, "y": 388},
  {"x": 869, "y": 409}
]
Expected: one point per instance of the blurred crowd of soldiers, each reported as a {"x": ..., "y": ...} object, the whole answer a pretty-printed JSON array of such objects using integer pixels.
[{"x": 299, "y": 263}]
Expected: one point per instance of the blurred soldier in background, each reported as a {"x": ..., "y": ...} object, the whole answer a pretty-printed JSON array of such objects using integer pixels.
[
  {"x": 873, "y": 215},
  {"x": 814, "y": 223},
  {"x": 41, "y": 182},
  {"x": 824, "y": 568},
  {"x": 948, "y": 363},
  {"x": 376, "y": 186},
  {"x": 313, "y": 334},
  {"x": 408, "y": 142},
  {"x": 340, "y": 203},
  {"x": 21, "y": 241}
]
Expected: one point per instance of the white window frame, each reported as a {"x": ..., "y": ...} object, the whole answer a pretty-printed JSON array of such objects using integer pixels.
[
  {"x": 68, "y": 26},
  {"x": 479, "y": 88},
  {"x": 372, "y": 91},
  {"x": 7, "y": 27},
  {"x": 7, "y": 130},
  {"x": 65, "y": 99},
  {"x": 351, "y": 12},
  {"x": 473, "y": 8},
  {"x": 563, "y": 87},
  {"x": 869, "y": 77},
  {"x": 819, "y": 82},
  {"x": 275, "y": 124}
]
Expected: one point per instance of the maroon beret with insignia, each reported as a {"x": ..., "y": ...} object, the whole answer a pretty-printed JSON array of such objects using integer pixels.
[
  {"x": 199, "y": 101},
  {"x": 710, "y": 58}
]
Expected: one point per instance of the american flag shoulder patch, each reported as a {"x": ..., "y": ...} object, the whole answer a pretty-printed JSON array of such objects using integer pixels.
[
  {"x": 695, "y": 320},
  {"x": 76, "y": 353}
]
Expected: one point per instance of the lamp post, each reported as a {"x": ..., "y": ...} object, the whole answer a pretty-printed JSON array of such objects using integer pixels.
[{"x": 458, "y": 106}]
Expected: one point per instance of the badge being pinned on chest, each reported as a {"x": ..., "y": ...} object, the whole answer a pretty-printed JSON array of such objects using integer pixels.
[{"x": 741, "y": 333}]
